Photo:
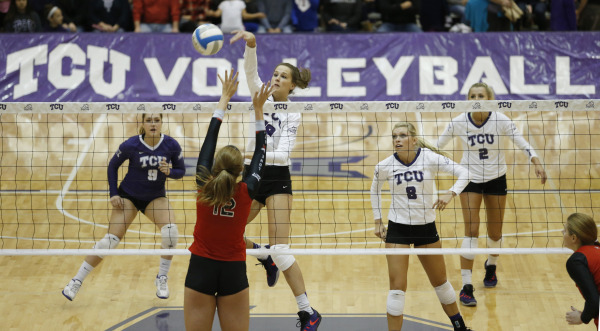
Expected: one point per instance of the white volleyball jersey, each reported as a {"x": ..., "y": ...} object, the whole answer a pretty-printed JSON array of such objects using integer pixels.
[
  {"x": 412, "y": 186},
  {"x": 281, "y": 128},
  {"x": 483, "y": 151}
]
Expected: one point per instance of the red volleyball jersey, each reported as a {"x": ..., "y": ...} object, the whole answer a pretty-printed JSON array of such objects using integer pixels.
[
  {"x": 219, "y": 231},
  {"x": 592, "y": 254}
]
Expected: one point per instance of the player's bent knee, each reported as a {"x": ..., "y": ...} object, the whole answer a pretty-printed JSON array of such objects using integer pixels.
[
  {"x": 170, "y": 236},
  {"x": 395, "y": 302},
  {"x": 445, "y": 293},
  {"x": 469, "y": 242},
  {"x": 110, "y": 241},
  {"x": 283, "y": 262}
]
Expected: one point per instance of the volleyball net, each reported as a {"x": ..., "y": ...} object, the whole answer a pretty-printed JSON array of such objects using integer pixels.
[{"x": 54, "y": 190}]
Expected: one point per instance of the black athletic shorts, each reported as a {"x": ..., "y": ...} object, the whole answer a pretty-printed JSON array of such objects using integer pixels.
[
  {"x": 418, "y": 235},
  {"x": 493, "y": 187},
  {"x": 139, "y": 204},
  {"x": 275, "y": 180},
  {"x": 214, "y": 277}
]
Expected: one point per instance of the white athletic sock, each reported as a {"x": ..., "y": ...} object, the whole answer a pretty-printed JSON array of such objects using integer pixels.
[
  {"x": 84, "y": 270},
  {"x": 492, "y": 260},
  {"x": 164, "y": 267},
  {"x": 466, "y": 276},
  {"x": 303, "y": 303}
]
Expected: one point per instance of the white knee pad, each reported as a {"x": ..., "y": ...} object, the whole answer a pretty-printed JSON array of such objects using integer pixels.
[
  {"x": 283, "y": 262},
  {"x": 445, "y": 293},
  {"x": 469, "y": 242},
  {"x": 170, "y": 235},
  {"x": 110, "y": 241},
  {"x": 494, "y": 244},
  {"x": 395, "y": 302}
]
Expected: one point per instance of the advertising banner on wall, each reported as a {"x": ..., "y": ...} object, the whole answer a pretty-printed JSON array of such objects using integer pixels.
[{"x": 349, "y": 67}]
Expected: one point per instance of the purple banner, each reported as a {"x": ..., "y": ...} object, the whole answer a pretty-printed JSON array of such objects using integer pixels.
[{"x": 371, "y": 67}]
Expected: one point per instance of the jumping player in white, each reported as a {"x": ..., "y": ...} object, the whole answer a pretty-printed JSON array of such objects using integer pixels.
[{"x": 275, "y": 191}]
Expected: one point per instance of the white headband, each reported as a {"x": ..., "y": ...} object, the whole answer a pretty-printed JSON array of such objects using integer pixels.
[{"x": 52, "y": 11}]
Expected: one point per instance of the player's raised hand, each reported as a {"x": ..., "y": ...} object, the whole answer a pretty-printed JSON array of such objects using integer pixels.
[
  {"x": 260, "y": 97},
  {"x": 248, "y": 37},
  {"x": 230, "y": 85}
]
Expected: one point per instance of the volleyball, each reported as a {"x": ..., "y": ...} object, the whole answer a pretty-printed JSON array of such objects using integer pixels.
[{"x": 207, "y": 39}]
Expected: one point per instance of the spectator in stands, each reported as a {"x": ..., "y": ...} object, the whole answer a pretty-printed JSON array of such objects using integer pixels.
[
  {"x": 371, "y": 16},
  {"x": 278, "y": 16},
  {"x": 253, "y": 16},
  {"x": 193, "y": 14},
  {"x": 497, "y": 21},
  {"x": 214, "y": 5},
  {"x": 457, "y": 8},
  {"x": 39, "y": 5},
  {"x": 4, "y": 5},
  {"x": 588, "y": 15},
  {"x": 533, "y": 11},
  {"x": 21, "y": 18},
  {"x": 109, "y": 19},
  {"x": 305, "y": 15},
  {"x": 156, "y": 15},
  {"x": 231, "y": 12},
  {"x": 562, "y": 15},
  {"x": 486, "y": 15},
  {"x": 74, "y": 14},
  {"x": 54, "y": 20},
  {"x": 432, "y": 15},
  {"x": 342, "y": 16},
  {"x": 399, "y": 15}
]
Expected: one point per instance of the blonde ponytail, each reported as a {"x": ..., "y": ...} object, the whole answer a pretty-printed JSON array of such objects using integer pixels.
[
  {"x": 583, "y": 227},
  {"x": 220, "y": 183}
]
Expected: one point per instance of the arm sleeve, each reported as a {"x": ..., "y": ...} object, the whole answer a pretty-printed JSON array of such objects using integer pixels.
[
  {"x": 137, "y": 10},
  {"x": 178, "y": 170},
  {"x": 38, "y": 23},
  {"x": 578, "y": 269},
  {"x": 113, "y": 166},
  {"x": 265, "y": 20},
  {"x": 207, "y": 152},
  {"x": 251, "y": 70},
  {"x": 448, "y": 166},
  {"x": 92, "y": 13},
  {"x": 285, "y": 20},
  {"x": 175, "y": 11},
  {"x": 378, "y": 180},
  {"x": 446, "y": 136},
  {"x": 513, "y": 133},
  {"x": 325, "y": 11},
  {"x": 124, "y": 15},
  {"x": 388, "y": 8},
  {"x": 287, "y": 140},
  {"x": 257, "y": 164},
  {"x": 354, "y": 20}
]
